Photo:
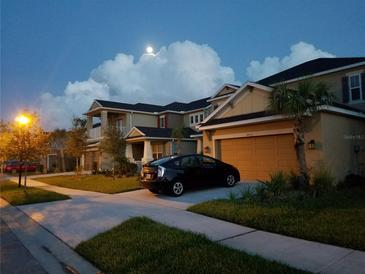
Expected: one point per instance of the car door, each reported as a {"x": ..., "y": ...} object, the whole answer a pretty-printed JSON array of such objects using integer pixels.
[
  {"x": 192, "y": 172},
  {"x": 210, "y": 170}
]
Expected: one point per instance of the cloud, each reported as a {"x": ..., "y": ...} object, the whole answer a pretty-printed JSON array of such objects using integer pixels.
[
  {"x": 182, "y": 71},
  {"x": 299, "y": 53}
]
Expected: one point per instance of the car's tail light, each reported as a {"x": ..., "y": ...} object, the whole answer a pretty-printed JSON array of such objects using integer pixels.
[{"x": 161, "y": 171}]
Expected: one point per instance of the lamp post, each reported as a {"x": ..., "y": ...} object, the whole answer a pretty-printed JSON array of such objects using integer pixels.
[{"x": 23, "y": 121}]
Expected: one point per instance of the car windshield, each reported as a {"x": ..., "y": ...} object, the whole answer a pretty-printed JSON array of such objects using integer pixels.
[{"x": 161, "y": 161}]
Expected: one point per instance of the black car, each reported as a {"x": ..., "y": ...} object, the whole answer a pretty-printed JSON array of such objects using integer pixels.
[{"x": 174, "y": 174}]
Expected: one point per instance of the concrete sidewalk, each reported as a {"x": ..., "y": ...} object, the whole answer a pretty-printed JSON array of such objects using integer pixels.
[
  {"x": 89, "y": 213},
  {"x": 44, "y": 251},
  {"x": 75, "y": 193},
  {"x": 14, "y": 257}
]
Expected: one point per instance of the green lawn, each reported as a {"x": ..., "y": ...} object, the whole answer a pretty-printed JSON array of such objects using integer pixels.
[
  {"x": 98, "y": 183},
  {"x": 337, "y": 218},
  {"x": 141, "y": 245},
  {"x": 31, "y": 195}
]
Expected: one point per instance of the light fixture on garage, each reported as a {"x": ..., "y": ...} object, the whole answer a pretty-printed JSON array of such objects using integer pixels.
[{"x": 312, "y": 144}]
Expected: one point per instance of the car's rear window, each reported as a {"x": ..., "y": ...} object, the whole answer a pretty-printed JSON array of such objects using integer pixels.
[{"x": 161, "y": 161}]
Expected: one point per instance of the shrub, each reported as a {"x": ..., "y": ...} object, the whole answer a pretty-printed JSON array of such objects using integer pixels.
[
  {"x": 322, "y": 181},
  {"x": 352, "y": 180},
  {"x": 232, "y": 196},
  {"x": 277, "y": 183},
  {"x": 261, "y": 192}
]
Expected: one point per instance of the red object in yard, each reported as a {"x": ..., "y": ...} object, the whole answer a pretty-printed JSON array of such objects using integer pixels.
[{"x": 11, "y": 166}]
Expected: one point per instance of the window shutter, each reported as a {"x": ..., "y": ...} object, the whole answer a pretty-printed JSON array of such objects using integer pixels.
[
  {"x": 363, "y": 85},
  {"x": 345, "y": 89}
]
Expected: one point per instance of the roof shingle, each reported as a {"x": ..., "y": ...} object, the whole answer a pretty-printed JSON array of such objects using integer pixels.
[
  {"x": 309, "y": 68},
  {"x": 162, "y": 132}
]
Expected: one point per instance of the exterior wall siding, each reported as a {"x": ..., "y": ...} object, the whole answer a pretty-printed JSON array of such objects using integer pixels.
[
  {"x": 341, "y": 134},
  {"x": 248, "y": 102},
  {"x": 334, "y": 83}
]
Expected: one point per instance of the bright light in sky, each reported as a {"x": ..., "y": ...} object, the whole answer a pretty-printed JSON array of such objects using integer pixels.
[{"x": 149, "y": 50}]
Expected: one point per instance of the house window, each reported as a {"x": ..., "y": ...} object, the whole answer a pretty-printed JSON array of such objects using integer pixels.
[
  {"x": 196, "y": 118},
  {"x": 355, "y": 87},
  {"x": 162, "y": 121},
  {"x": 201, "y": 117},
  {"x": 157, "y": 151}
]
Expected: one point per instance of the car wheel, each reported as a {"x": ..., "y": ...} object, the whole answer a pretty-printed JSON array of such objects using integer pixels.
[
  {"x": 177, "y": 189},
  {"x": 230, "y": 180},
  {"x": 154, "y": 190}
]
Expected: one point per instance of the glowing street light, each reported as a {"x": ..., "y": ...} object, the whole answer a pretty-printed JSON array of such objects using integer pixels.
[{"x": 22, "y": 119}]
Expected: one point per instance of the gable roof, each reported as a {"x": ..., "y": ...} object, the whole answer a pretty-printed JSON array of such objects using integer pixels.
[
  {"x": 218, "y": 94},
  {"x": 233, "y": 96},
  {"x": 154, "y": 132},
  {"x": 319, "y": 65},
  {"x": 175, "y": 106}
]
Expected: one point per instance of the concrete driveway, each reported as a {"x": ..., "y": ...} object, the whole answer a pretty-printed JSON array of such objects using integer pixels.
[{"x": 89, "y": 213}]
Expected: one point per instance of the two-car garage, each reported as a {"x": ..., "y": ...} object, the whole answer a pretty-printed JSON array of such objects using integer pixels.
[{"x": 258, "y": 157}]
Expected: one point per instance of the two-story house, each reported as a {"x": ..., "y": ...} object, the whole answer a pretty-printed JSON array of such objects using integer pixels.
[
  {"x": 147, "y": 128},
  {"x": 242, "y": 131}
]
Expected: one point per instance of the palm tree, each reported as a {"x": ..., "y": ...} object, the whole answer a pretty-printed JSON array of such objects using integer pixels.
[{"x": 300, "y": 104}]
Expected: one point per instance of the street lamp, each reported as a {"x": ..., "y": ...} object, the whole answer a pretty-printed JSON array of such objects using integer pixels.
[{"x": 23, "y": 120}]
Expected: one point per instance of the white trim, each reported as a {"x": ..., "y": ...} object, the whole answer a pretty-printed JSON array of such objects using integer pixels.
[
  {"x": 248, "y": 83},
  {"x": 131, "y": 139},
  {"x": 316, "y": 74},
  {"x": 361, "y": 100},
  {"x": 220, "y": 97},
  {"x": 121, "y": 110},
  {"x": 342, "y": 111},
  {"x": 221, "y": 88},
  {"x": 254, "y": 134},
  {"x": 247, "y": 121},
  {"x": 196, "y": 135},
  {"x": 132, "y": 129}
]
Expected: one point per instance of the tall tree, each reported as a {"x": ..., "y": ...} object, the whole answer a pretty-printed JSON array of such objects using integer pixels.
[
  {"x": 178, "y": 133},
  {"x": 300, "y": 104},
  {"x": 5, "y": 138},
  {"x": 114, "y": 144},
  {"x": 76, "y": 142},
  {"x": 28, "y": 142},
  {"x": 58, "y": 140}
]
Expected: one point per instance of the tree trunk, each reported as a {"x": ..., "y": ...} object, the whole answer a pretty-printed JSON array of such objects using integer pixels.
[
  {"x": 20, "y": 175},
  {"x": 113, "y": 170},
  {"x": 25, "y": 178},
  {"x": 300, "y": 153},
  {"x": 77, "y": 166}
]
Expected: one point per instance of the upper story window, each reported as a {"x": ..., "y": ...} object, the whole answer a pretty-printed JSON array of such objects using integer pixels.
[
  {"x": 196, "y": 118},
  {"x": 162, "y": 121},
  {"x": 355, "y": 88}
]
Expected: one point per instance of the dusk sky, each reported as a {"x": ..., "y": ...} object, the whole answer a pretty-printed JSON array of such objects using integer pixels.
[{"x": 57, "y": 56}]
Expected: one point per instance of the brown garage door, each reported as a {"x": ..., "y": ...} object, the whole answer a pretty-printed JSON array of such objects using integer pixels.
[{"x": 257, "y": 157}]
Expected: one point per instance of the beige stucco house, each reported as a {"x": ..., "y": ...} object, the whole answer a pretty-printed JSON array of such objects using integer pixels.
[
  {"x": 147, "y": 129},
  {"x": 242, "y": 131}
]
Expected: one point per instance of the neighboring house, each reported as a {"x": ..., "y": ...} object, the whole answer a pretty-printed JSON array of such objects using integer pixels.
[
  {"x": 147, "y": 128},
  {"x": 242, "y": 132}
]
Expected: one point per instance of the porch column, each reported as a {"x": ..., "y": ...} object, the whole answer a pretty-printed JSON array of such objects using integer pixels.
[
  {"x": 199, "y": 146},
  {"x": 89, "y": 123},
  {"x": 147, "y": 152},
  {"x": 104, "y": 121},
  {"x": 129, "y": 153}
]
